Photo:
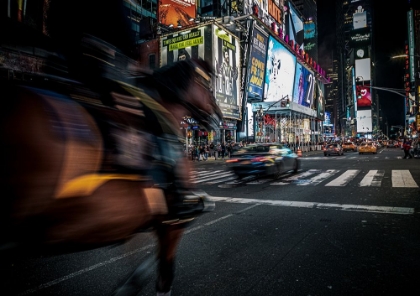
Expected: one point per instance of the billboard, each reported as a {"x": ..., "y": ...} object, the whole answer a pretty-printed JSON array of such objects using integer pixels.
[
  {"x": 226, "y": 57},
  {"x": 256, "y": 65},
  {"x": 193, "y": 43},
  {"x": 216, "y": 46},
  {"x": 294, "y": 26},
  {"x": 303, "y": 89},
  {"x": 359, "y": 18},
  {"x": 320, "y": 100},
  {"x": 280, "y": 72},
  {"x": 364, "y": 121},
  {"x": 177, "y": 12},
  {"x": 364, "y": 99},
  {"x": 363, "y": 69},
  {"x": 268, "y": 11}
]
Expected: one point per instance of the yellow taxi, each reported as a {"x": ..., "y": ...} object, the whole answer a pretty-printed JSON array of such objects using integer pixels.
[
  {"x": 349, "y": 146},
  {"x": 367, "y": 147}
]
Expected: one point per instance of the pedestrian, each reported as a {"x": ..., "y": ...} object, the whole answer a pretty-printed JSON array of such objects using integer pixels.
[
  {"x": 211, "y": 150},
  {"x": 406, "y": 148},
  {"x": 223, "y": 150}
]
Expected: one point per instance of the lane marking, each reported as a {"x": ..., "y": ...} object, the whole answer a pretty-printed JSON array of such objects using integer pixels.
[
  {"x": 373, "y": 178},
  {"x": 403, "y": 178},
  {"x": 317, "y": 205},
  {"x": 319, "y": 178},
  {"x": 344, "y": 179}
]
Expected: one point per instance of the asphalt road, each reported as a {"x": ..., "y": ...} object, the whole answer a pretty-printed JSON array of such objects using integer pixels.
[{"x": 343, "y": 225}]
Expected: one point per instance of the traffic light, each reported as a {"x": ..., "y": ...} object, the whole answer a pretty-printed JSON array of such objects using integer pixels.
[{"x": 287, "y": 103}]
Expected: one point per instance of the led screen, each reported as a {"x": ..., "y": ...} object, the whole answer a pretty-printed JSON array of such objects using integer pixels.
[
  {"x": 320, "y": 100},
  {"x": 303, "y": 90},
  {"x": 364, "y": 99},
  {"x": 364, "y": 121},
  {"x": 257, "y": 59},
  {"x": 363, "y": 69},
  {"x": 280, "y": 72}
]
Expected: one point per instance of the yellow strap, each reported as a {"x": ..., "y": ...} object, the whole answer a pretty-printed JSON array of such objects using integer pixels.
[{"x": 87, "y": 184}]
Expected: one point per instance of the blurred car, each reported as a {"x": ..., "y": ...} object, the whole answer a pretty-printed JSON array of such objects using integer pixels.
[
  {"x": 367, "y": 148},
  {"x": 333, "y": 149},
  {"x": 263, "y": 160},
  {"x": 349, "y": 146},
  {"x": 391, "y": 144}
]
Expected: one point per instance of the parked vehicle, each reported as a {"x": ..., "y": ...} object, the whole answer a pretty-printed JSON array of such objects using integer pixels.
[{"x": 263, "y": 160}]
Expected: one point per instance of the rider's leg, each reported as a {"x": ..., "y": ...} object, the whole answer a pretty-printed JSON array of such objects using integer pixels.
[{"x": 169, "y": 237}]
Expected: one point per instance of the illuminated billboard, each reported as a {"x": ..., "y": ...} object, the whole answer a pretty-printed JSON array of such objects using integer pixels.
[
  {"x": 364, "y": 99},
  {"x": 182, "y": 45},
  {"x": 363, "y": 69},
  {"x": 177, "y": 12},
  {"x": 294, "y": 26},
  {"x": 280, "y": 72},
  {"x": 268, "y": 11},
  {"x": 226, "y": 58},
  {"x": 216, "y": 46},
  {"x": 256, "y": 65},
  {"x": 303, "y": 89},
  {"x": 320, "y": 100},
  {"x": 359, "y": 18},
  {"x": 364, "y": 121}
]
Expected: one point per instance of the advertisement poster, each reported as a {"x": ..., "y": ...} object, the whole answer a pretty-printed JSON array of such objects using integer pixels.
[
  {"x": 194, "y": 43},
  {"x": 256, "y": 67},
  {"x": 268, "y": 11},
  {"x": 177, "y": 12},
  {"x": 227, "y": 64},
  {"x": 364, "y": 99},
  {"x": 320, "y": 101},
  {"x": 280, "y": 72},
  {"x": 364, "y": 121},
  {"x": 294, "y": 26},
  {"x": 303, "y": 90}
]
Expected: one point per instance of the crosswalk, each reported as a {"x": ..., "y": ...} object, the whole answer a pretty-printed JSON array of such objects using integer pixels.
[{"x": 312, "y": 177}]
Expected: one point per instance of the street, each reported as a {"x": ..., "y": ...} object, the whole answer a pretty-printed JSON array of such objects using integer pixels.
[{"x": 342, "y": 225}]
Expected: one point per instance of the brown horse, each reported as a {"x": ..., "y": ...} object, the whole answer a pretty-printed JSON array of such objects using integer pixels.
[{"x": 82, "y": 169}]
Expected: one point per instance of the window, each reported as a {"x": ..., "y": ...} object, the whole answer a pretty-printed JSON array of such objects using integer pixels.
[{"x": 152, "y": 61}]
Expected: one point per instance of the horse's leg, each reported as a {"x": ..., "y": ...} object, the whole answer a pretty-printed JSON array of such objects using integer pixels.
[{"x": 169, "y": 237}]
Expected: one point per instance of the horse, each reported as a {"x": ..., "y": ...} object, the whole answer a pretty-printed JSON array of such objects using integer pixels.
[{"x": 84, "y": 167}]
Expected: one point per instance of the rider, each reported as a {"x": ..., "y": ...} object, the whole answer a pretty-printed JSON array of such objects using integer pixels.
[{"x": 99, "y": 45}]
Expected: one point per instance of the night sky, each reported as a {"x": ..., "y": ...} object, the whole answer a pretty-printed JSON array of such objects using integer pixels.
[{"x": 389, "y": 37}]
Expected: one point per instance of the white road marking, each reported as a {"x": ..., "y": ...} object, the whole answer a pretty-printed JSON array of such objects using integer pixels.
[
  {"x": 212, "y": 177},
  {"x": 319, "y": 178},
  {"x": 345, "y": 178},
  {"x": 373, "y": 178},
  {"x": 403, "y": 178},
  {"x": 317, "y": 205}
]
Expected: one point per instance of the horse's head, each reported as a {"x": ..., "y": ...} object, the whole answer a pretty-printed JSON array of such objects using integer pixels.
[{"x": 188, "y": 83}]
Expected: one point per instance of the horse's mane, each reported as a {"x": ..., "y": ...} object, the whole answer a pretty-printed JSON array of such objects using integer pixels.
[{"x": 172, "y": 80}]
